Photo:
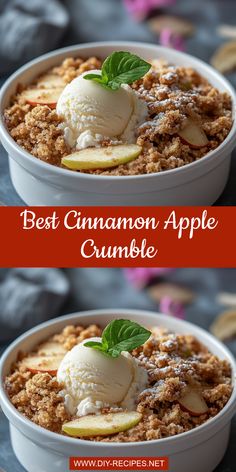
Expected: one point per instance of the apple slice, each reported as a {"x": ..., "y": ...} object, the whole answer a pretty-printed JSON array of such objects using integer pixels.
[
  {"x": 102, "y": 158},
  {"x": 49, "y": 81},
  {"x": 193, "y": 135},
  {"x": 193, "y": 402},
  {"x": 42, "y": 96},
  {"x": 51, "y": 348},
  {"x": 102, "y": 425},
  {"x": 38, "y": 363}
]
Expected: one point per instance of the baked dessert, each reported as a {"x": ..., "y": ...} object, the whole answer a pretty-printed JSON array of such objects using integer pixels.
[
  {"x": 123, "y": 116},
  {"x": 122, "y": 384}
]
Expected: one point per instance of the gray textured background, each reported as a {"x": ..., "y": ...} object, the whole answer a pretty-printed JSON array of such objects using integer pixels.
[
  {"x": 81, "y": 289},
  {"x": 36, "y": 26}
]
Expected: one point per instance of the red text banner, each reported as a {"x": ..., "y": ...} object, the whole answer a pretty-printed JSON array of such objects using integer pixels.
[
  {"x": 118, "y": 463},
  {"x": 118, "y": 237}
]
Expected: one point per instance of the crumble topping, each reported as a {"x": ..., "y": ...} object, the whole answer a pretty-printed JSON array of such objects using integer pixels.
[
  {"x": 73, "y": 67},
  {"x": 173, "y": 362},
  {"x": 172, "y": 93},
  {"x": 37, "y": 130}
]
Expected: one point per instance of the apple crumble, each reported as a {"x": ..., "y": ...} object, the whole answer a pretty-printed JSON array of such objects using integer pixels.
[
  {"x": 186, "y": 385},
  {"x": 170, "y": 117}
]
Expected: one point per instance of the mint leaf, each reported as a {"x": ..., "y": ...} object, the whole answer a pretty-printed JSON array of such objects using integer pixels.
[
  {"x": 92, "y": 344},
  {"x": 95, "y": 345},
  {"x": 124, "y": 335},
  {"x": 120, "y": 68},
  {"x": 97, "y": 78},
  {"x": 123, "y": 68},
  {"x": 118, "y": 336},
  {"x": 99, "y": 347}
]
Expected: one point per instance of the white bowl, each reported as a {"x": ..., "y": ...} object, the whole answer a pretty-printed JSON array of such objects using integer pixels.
[
  {"x": 39, "y": 450},
  {"x": 39, "y": 183}
]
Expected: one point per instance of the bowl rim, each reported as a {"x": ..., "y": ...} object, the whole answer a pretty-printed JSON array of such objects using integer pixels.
[
  {"x": 197, "y": 432},
  {"x": 13, "y": 146}
]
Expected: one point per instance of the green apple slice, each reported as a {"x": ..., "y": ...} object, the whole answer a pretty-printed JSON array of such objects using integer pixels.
[
  {"x": 102, "y": 425},
  {"x": 102, "y": 158}
]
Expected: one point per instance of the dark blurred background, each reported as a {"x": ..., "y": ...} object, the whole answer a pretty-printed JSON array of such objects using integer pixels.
[
  {"x": 30, "y": 296},
  {"x": 33, "y": 27}
]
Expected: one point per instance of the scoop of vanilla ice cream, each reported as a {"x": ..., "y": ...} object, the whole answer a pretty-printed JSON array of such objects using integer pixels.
[
  {"x": 93, "y": 380},
  {"x": 91, "y": 112}
]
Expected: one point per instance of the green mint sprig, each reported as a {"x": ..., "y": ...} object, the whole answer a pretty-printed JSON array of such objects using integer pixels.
[
  {"x": 120, "y": 335},
  {"x": 120, "y": 68}
]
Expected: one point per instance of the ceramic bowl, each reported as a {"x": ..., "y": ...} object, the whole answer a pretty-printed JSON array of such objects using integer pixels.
[
  {"x": 39, "y": 450},
  {"x": 39, "y": 183}
]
